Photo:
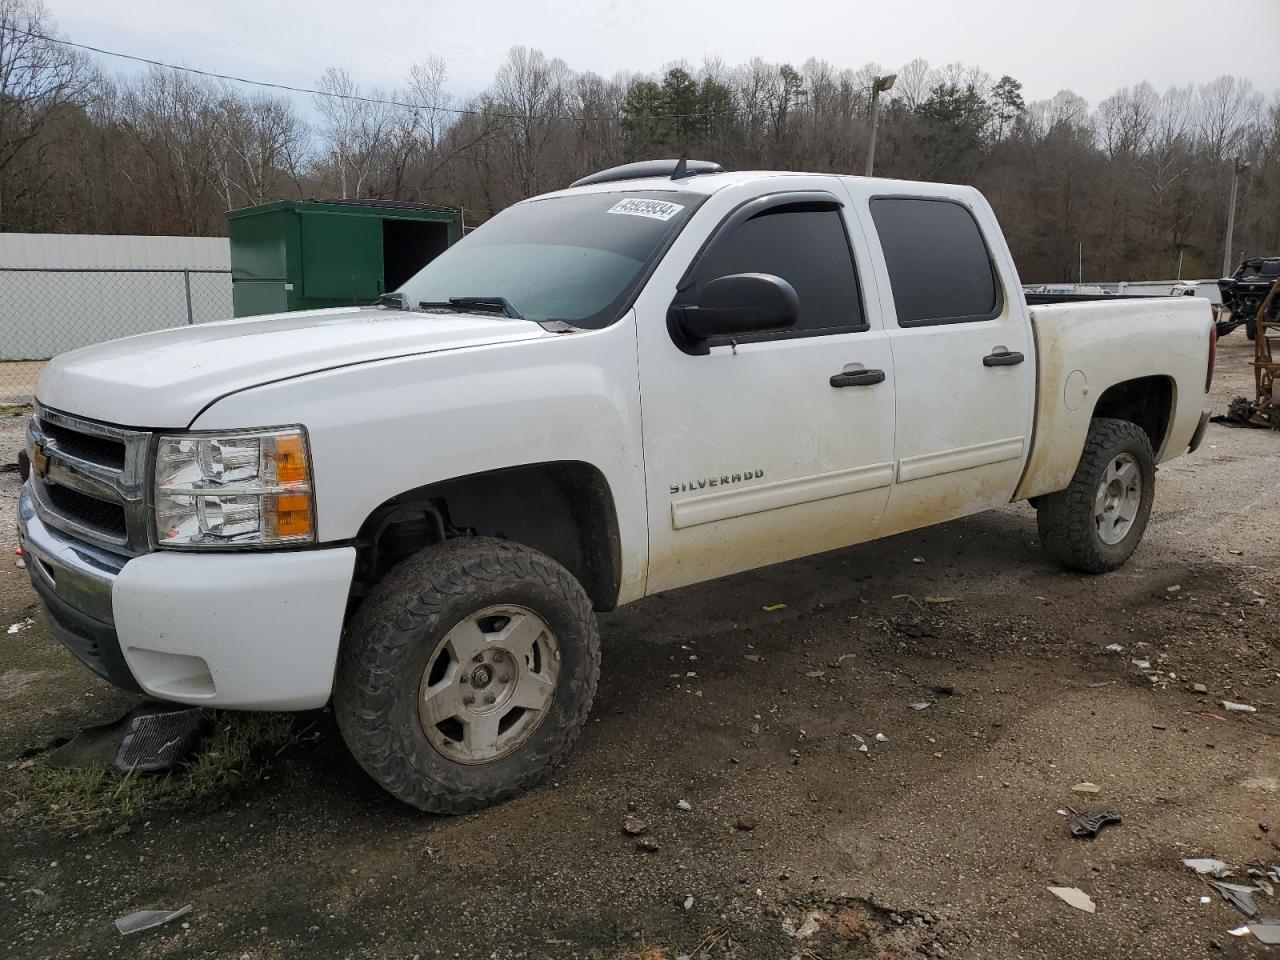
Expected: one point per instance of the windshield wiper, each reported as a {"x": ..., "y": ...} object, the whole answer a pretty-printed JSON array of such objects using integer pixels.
[
  {"x": 467, "y": 304},
  {"x": 395, "y": 299}
]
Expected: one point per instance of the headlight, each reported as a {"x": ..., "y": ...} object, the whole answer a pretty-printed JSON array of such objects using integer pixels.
[{"x": 251, "y": 488}]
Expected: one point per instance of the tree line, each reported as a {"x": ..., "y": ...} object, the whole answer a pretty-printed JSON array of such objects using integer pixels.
[{"x": 1135, "y": 186}]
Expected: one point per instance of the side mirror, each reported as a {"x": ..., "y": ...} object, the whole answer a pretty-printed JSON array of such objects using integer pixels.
[{"x": 740, "y": 303}]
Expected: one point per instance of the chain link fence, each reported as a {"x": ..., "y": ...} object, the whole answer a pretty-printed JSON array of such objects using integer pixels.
[{"x": 45, "y": 311}]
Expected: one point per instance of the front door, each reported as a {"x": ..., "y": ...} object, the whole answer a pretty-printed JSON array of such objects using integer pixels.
[{"x": 777, "y": 445}]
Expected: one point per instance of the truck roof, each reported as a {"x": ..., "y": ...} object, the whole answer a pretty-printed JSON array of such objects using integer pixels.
[{"x": 709, "y": 183}]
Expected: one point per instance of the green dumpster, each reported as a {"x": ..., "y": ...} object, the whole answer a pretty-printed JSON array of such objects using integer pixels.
[{"x": 305, "y": 254}]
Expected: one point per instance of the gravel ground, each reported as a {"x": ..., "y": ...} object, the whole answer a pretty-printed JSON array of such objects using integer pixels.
[
  {"x": 940, "y": 841},
  {"x": 13, "y": 433}
]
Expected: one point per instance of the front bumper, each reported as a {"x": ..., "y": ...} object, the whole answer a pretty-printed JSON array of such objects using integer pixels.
[{"x": 252, "y": 631}]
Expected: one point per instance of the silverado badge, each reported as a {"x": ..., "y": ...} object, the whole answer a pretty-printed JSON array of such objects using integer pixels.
[{"x": 721, "y": 481}]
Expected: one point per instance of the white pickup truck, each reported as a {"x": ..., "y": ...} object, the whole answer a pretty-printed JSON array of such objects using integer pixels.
[{"x": 664, "y": 374}]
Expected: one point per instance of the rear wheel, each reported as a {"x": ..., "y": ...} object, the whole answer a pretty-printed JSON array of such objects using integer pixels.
[
  {"x": 1098, "y": 521},
  {"x": 467, "y": 674}
]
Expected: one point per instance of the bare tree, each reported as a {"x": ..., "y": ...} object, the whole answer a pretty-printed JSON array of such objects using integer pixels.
[
  {"x": 39, "y": 82},
  {"x": 356, "y": 129},
  {"x": 1140, "y": 181},
  {"x": 1227, "y": 110}
]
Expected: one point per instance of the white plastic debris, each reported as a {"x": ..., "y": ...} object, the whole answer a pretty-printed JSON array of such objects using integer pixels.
[
  {"x": 1232, "y": 707},
  {"x": 864, "y": 749},
  {"x": 20, "y": 626},
  {"x": 1086, "y": 787},
  {"x": 921, "y": 705},
  {"x": 688, "y": 903},
  {"x": 1207, "y": 865},
  {"x": 683, "y": 805},
  {"x": 1114, "y": 648},
  {"x": 147, "y": 919},
  {"x": 881, "y": 738},
  {"x": 1141, "y": 664},
  {"x": 1075, "y": 897},
  {"x": 810, "y": 925}
]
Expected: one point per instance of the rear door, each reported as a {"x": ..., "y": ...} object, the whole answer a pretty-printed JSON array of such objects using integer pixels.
[
  {"x": 963, "y": 355},
  {"x": 775, "y": 445}
]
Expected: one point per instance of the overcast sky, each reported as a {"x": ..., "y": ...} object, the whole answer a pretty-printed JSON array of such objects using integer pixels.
[{"x": 1090, "y": 46}]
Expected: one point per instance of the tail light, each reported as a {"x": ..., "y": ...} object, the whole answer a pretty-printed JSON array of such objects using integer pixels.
[{"x": 1213, "y": 356}]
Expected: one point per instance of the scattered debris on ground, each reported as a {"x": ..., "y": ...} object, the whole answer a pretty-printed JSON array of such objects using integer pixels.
[
  {"x": 1231, "y": 707},
  {"x": 148, "y": 919},
  {"x": 1075, "y": 897},
  {"x": 1087, "y": 826}
]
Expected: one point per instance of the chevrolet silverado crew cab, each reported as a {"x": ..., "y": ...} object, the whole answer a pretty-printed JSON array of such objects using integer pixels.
[{"x": 661, "y": 375}]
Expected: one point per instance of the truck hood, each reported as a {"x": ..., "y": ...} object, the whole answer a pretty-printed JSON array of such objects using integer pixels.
[{"x": 164, "y": 379}]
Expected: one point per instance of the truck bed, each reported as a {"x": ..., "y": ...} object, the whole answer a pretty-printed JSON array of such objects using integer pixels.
[{"x": 1092, "y": 341}]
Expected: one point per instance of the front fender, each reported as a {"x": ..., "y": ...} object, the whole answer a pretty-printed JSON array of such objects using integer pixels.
[{"x": 380, "y": 429}]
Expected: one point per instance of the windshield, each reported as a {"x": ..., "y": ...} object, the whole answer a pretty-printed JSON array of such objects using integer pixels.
[{"x": 575, "y": 258}]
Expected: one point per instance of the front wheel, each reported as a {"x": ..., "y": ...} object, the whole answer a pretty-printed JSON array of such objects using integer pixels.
[
  {"x": 1097, "y": 522},
  {"x": 467, "y": 674}
]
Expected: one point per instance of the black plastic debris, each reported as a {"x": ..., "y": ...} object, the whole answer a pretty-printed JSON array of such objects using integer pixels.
[
  {"x": 1086, "y": 827},
  {"x": 152, "y": 736},
  {"x": 158, "y": 737}
]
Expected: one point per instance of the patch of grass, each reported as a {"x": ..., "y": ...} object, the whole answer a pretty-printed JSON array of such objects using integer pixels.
[
  {"x": 239, "y": 750},
  {"x": 14, "y": 409}
]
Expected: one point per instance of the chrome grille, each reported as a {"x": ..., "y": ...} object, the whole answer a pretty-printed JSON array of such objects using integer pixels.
[{"x": 88, "y": 479}]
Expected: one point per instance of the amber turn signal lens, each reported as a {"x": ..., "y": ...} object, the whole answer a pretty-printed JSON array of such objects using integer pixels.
[
  {"x": 292, "y": 514},
  {"x": 290, "y": 460}
]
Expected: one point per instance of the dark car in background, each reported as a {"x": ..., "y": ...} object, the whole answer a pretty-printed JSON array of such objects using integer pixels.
[{"x": 1244, "y": 291}]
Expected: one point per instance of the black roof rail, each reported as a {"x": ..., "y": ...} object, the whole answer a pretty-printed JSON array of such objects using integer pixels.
[{"x": 675, "y": 169}]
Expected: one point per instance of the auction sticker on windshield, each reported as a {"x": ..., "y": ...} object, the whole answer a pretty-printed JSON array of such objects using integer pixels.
[{"x": 654, "y": 209}]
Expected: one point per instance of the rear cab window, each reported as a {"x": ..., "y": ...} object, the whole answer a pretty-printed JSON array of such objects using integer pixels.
[{"x": 940, "y": 269}]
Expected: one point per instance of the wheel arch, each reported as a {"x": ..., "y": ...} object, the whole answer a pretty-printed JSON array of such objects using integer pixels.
[
  {"x": 1148, "y": 402},
  {"x": 563, "y": 508}
]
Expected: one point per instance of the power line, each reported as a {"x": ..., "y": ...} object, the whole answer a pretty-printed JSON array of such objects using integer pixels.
[{"x": 459, "y": 111}]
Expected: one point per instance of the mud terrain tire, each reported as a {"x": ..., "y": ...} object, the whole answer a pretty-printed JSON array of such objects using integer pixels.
[
  {"x": 397, "y": 632},
  {"x": 1071, "y": 522}
]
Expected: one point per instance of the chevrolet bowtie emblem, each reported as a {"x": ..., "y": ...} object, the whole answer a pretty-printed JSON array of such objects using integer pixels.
[{"x": 39, "y": 461}]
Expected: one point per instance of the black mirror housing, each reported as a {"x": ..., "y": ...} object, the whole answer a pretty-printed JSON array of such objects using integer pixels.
[{"x": 736, "y": 305}]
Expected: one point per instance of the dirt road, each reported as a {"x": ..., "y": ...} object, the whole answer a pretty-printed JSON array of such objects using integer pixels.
[{"x": 940, "y": 841}]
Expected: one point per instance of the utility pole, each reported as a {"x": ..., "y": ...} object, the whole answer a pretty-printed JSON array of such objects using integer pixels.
[
  {"x": 1238, "y": 167},
  {"x": 878, "y": 86}
]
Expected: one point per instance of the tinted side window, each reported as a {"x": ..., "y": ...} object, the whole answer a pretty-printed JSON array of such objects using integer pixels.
[
  {"x": 938, "y": 263},
  {"x": 806, "y": 247}
]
